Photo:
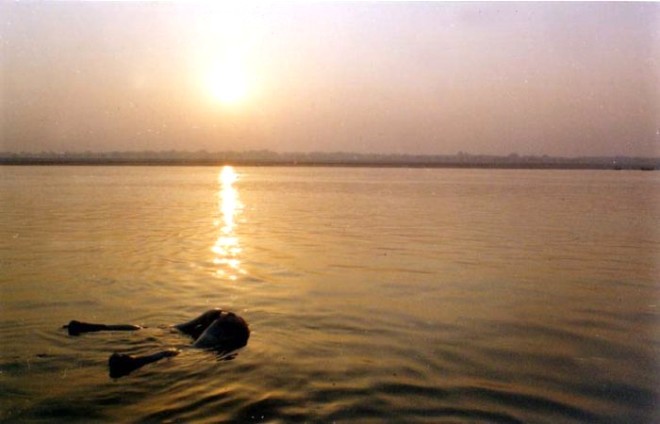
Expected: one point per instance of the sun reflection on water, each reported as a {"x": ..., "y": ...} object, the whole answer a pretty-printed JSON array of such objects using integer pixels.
[{"x": 227, "y": 248}]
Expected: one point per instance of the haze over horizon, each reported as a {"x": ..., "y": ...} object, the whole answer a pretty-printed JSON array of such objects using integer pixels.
[{"x": 562, "y": 79}]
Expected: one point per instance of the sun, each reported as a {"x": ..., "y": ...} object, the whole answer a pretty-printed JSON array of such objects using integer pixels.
[
  {"x": 227, "y": 39},
  {"x": 227, "y": 82}
]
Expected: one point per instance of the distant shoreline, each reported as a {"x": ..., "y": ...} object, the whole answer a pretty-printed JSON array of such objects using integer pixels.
[
  {"x": 324, "y": 159},
  {"x": 332, "y": 164}
]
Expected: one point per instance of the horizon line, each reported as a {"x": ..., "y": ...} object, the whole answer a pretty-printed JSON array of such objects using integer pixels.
[{"x": 356, "y": 155}]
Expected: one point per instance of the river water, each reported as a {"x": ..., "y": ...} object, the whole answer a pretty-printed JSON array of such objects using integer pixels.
[{"x": 382, "y": 295}]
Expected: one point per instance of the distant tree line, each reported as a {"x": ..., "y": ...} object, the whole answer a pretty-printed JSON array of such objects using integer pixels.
[{"x": 267, "y": 157}]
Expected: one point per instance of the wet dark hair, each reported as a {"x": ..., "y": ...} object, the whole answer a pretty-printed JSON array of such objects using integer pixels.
[
  {"x": 196, "y": 327},
  {"x": 236, "y": 328}
]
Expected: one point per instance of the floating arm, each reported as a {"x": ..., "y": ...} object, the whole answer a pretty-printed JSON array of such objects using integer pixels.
[
  {"x": 121, "y": 364},
  {"x": 76, "y": 328}
]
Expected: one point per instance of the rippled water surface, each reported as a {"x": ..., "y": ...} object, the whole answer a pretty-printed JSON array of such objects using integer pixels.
[{"x": 376, "y": 295}]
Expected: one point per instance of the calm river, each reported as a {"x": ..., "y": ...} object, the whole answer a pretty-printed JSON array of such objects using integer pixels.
[{"x": 374, "y": 295}]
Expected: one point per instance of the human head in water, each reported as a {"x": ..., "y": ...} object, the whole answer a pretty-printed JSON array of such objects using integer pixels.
[
  {"x": 217, "y": 329},
  {"x": 227, "y": 332}
]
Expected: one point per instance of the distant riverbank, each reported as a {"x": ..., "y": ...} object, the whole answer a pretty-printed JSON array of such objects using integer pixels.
[{"x": 340, "y": 159}]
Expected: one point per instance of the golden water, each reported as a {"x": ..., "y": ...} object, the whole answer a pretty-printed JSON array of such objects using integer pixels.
[{"x": 373, "y": 294}]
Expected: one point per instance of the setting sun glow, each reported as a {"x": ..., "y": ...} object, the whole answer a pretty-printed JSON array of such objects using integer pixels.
[
  {"x": 227, "y": 82},
  {"x": 227, "y": 38}
]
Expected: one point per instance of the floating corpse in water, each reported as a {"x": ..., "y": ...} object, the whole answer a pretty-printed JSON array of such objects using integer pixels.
[{"x": 214, "y": 329}]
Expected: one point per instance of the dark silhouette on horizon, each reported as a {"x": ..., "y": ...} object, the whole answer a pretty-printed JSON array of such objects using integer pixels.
[{"x": 271, "y": 158}]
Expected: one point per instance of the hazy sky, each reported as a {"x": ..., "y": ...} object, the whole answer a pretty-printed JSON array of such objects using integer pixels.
[{"x": 435, "y": 78}]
